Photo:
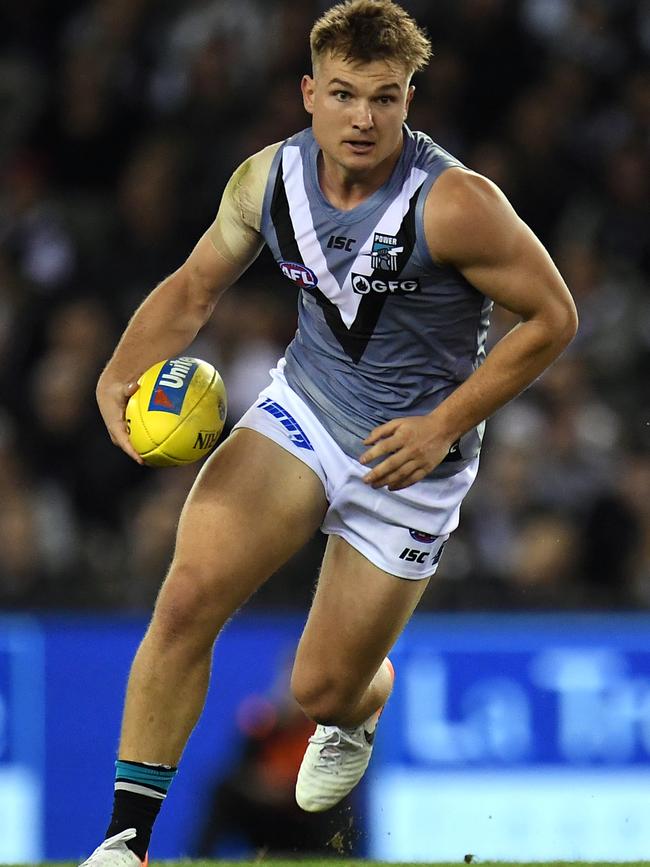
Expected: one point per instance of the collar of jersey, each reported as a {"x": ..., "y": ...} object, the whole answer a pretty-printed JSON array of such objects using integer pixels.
[{"x": 376, "y": 199}]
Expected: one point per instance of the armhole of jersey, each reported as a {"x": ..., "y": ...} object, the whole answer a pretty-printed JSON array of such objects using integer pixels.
[
  {"x": 235, "y": 232},
  {"x": 253, "y": 186},
  {"x": 275, "y": 167},
  {"x": 420, "y": 235}
]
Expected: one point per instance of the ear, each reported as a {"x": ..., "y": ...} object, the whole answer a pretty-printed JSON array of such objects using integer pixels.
[
  {"x": 409, "y": 97},
  {"x": 307, "y": 86}
]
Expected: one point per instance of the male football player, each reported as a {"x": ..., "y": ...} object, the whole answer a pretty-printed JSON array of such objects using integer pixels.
[{"x": 371, "y": 426}]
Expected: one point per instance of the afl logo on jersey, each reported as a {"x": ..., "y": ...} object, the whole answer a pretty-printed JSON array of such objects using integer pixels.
[{"x": 299, "y": 274}]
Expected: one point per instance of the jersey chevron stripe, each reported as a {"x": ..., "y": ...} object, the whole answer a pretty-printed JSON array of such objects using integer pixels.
[
  {"x": 290, "y": 214},
  {"x": 282, "y": 224},
  {"x": 389, "y": 224},
  {"x": 306, "y": 238},
  {"x": 289, "y": 251},
  {"x": 398, "y": 221},
  {"x": 372, "y": 304},
  {"x": 419, "y": 327}
]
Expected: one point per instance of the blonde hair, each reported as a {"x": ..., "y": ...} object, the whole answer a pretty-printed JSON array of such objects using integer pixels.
[{"x": 366, "y": 30}]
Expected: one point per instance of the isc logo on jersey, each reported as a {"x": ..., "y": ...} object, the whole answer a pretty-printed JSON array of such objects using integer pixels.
[{"x": 363, "y": 285}]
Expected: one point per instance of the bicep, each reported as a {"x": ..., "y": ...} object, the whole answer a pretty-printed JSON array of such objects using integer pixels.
[
  {"x": 519, "y": 275},
  {"x": 484, "y": 238},
  {"x": 209, "y": 272}
]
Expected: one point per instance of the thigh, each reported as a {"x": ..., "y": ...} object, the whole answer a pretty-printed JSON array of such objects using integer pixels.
[
  {"x": 252, "y": 506},
  {"x": 358, "y": 612}
]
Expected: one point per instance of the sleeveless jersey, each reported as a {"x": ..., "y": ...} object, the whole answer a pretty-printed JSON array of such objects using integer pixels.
[{"x": 383, "y": 331}]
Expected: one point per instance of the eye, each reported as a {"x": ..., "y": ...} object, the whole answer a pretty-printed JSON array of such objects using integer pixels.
[
  {"x": 385, "y": 100},
  {"x": 341, "y": 95}
]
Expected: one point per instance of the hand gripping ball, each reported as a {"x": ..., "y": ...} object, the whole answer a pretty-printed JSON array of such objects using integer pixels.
[{"x": 178, "y": 413}]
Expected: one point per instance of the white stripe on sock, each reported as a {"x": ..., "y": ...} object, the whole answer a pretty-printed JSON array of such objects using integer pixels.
[{"x": 139, "y": 790}]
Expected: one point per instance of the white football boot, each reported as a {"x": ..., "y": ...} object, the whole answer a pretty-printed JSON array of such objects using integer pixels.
[
  {"x": 334, "y": 762},
  {"x": 115, "y": 853}
]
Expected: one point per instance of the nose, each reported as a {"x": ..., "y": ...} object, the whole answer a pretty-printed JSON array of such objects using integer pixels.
[{"x": 362, "y": 119}]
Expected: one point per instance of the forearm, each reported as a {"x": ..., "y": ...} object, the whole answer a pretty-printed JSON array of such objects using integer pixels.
[
  {"x": 513, "y": 364},
  {"x": 163, "y": 326}
]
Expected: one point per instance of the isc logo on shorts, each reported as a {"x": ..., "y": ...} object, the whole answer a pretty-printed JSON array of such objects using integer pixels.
[{"x": 414, "y": 555}]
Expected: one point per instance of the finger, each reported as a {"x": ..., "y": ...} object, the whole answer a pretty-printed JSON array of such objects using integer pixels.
[
  {"x": 377, "y": 476},
  {"x": 399, "y": 476},
  {"x": 128, "y": 449},
  {"x": 380, "y": 432},
  {"x": 386, "y": 446},
  {"x": 124, "y": 440},
  {"x": 121, "y": 438},
  {"x": 416, "y": 476}
]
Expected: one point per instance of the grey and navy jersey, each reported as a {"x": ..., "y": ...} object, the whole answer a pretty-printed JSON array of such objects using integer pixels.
[{"x": 383, "y": 331}]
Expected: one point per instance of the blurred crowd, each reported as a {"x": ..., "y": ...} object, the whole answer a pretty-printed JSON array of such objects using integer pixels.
[{"x": 120, "y": 122}]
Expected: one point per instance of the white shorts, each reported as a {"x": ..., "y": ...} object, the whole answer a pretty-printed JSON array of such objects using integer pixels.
[{"x": 401, "y": 532}]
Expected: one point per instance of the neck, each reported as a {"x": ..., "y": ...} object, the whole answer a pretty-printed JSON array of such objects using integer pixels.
[{"x": 345, "y": 188}]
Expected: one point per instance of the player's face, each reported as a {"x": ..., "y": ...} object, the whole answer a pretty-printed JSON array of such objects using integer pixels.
[{"x": 357, "y": 111}]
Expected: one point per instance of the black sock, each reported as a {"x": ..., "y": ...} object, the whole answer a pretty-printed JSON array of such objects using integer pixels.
[
  {"x": 131, "y": 810},
  {"x": 140, "y": 789}
]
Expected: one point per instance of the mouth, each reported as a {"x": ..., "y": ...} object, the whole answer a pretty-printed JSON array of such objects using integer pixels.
[{"x": 360, "y": 147}]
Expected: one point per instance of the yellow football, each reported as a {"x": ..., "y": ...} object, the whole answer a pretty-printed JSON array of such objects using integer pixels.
[{"x": 178, "y": 413}]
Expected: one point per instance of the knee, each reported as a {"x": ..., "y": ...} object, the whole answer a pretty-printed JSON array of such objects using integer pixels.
[
  {"x": 322, "y": 697},
  {"x": 187, "y": 612}
]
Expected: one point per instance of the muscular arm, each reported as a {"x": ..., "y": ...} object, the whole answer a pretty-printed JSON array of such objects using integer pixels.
[
  {"x": 478, "y": 232},
  {"x": 470, "y": 225},
  {"x": 173, "y": 313}
]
